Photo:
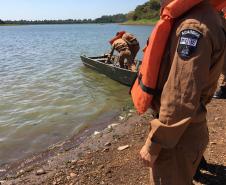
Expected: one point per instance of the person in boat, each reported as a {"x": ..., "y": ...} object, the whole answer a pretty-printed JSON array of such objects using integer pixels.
[
  {"x": 133, "y": 44},
  {"x": 127, "y": 46},
  {"x": 221, "y": 92},
  {"x": 177, "y": 78}
]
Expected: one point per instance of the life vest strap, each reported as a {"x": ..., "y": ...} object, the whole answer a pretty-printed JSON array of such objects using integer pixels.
[{"x": 146, "y": 89}]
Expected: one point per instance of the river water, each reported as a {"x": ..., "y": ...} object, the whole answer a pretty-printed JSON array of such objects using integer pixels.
[{"x": 46, "y": 94}]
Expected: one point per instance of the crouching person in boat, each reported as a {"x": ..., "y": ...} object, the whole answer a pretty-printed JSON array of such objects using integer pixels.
[
  {"x": 133, "y": 44},
  {"x": 127, "y": 46}
]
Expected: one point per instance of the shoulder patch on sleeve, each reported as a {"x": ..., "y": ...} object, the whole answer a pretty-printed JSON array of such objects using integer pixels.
[{"x": 188, "y": 43}]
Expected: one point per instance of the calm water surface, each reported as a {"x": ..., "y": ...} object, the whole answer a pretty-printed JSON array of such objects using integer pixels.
[{"x": 46, "y": 94}]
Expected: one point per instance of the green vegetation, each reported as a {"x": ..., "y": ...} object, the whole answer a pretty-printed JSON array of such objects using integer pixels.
[
  {"x": 148, "y": 10},
  {"x": 119, "y": 18},
  {"x": 147, "y": 13},
  {"x": 1, "y": 22}
]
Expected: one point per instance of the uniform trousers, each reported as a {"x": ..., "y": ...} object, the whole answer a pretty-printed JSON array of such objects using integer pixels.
[
  {"x": 177, "y": 166},
  {"x": 125, "y": 57}
]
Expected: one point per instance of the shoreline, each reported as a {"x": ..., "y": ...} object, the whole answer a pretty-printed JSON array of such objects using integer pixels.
[
  {"x": 66, "y": 144},
  {"x": 142, "y": 22},
  {"x": 9, "y": 24},
  {"x": 77, "y": 138},
  {"x": 137, "y": 24},
  {"x": 98, "y": 160},
  {"x": 65, "y": 151},
  {"x": 97, "y": 123}
]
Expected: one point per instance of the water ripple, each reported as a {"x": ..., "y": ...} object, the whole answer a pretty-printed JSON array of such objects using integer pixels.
[{"x": 46, "y": 94}]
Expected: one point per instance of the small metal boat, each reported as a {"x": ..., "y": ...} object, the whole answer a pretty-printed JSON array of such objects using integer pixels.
[{"x": 110, "y": 69}]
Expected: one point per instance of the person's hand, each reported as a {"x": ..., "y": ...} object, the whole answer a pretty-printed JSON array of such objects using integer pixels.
[
  {"x": 133, "y": 68},
  {"x": 146, "y": 157}
]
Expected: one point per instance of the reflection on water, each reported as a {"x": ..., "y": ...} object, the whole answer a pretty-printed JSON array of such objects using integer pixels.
[{"x": 46, "y": 94}]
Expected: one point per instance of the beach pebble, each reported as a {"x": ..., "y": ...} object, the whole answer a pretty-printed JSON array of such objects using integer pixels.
[
  {"x": 217, "y": 119},
  {"x": 121, "y": 118},
  {"x": 129, "y": 115},
  {"x": 21, "y": 172},
  {"x": 40, "y": 172},
  {"x": 80, "y": 162},
  {"x": 106, "y": 150},
  {"x": 96, "y": 133},
  {"x": 101, "y": 167},
  {"x": 2, "y": 182},
  {"x": 121, "y": 148},
  {"x": 107, "y": 144},
  {"x": 213, "y": 143},
  {"x": 74, "y": 161},
  {"x": 2, "y": 170},
  {"x": 72, "y": 175},
  {"x": 113, "y": 125}
]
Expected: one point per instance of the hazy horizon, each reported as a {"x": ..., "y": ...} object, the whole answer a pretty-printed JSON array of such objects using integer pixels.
[{"x": 62, "y": 10}]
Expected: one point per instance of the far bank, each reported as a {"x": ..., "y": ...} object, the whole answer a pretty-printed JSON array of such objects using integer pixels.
[{"x": 141, "y": 22}]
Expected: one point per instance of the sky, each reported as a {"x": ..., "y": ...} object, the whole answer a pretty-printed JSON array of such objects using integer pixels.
[{"x": 64, "y": 9}]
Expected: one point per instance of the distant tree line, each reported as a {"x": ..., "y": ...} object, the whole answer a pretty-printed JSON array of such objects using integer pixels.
[
  {"x": 2, "y": 22},
  {"x": 118, "y": 18},
  {"x": 148, "y": 10},
  {"x": 68, "y": 21}
]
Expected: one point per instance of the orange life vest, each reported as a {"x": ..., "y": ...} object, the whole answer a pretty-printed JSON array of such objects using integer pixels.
[
  {"x": 118, "y": 36},
  {"x": 144, "y": 87},
  {"x": 224, "y": 12},
  {"x": 218, "y": 4}
]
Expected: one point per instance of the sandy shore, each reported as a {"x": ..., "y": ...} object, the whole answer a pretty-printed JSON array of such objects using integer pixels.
[{"x": 100, "y": 160}]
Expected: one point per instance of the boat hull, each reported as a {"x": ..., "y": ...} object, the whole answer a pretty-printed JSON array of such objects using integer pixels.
[{"x": 118, "y": 74}]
